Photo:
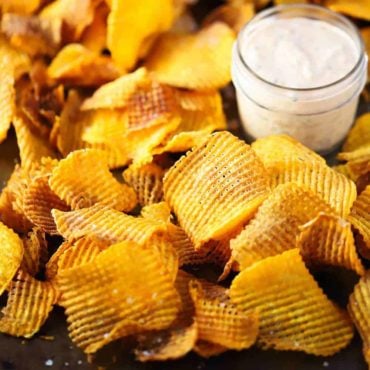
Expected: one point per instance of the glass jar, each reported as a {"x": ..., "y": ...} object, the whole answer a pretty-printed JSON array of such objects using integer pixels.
[{"x": 319, "y": 117}]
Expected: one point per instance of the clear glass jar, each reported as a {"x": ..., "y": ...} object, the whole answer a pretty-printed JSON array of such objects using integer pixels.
[{"x": 319, "y": 117}]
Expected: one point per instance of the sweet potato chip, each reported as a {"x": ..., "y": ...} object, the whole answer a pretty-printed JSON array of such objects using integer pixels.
[
  {"x": 360, "y": 215},
  {"x": 219, "y": 321},
  {"x": 31, "y": 34},
  {"x": 359, "y": 308},
  {"x": 133, "y": 23},
  {"x": 117, "y": 93},
  {"x": 207, "y": 349},
  {"x": 83, "y": 179},
  {"x": 359, "y": 134},
  {"x": 275, "y": 227},
  {"x": 38, "y": 202},
  {"x": 294, "y": 313},
  {"x": 115, "y": 296},
  {"x": 216, "y": 187},
  {"x": 147, "y": 182},
  {"x": 32, "y": 148},
  {"x": 106, "y": 224},
  {"x": 77, "y": 65},
  {"x": 29, "y": 304},
  {"x": 11, "y": 255},
  {"x": 328, "y": 240},
  {"x": 35, "y": 252},
  {"x": 184, "y": 60},
  {"x": 358, "y": 9}
]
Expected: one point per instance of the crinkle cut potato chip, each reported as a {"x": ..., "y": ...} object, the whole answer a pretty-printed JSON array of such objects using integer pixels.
[
  {"x": 132, "y": 23},
  {"x": 115, "y": 296},
  {"x": 38, "y": 202},
  {"x": 35, "y": 252},
  {"x": 29, "y": 304},
  {"x": 83, "y": 179},
  {"x": 147, "y": 181},
  {"x": 294, "y": 313},
  {"x": 208, "y": 349},
  {"x": 328, "y": 240},
  {"x": 219, "y": 321},
  {"x": 11, "y": 252},
  {"x": 106, "y": 224},
  {"x": 359, "y": 134},
  {"x": 275, "y": 227},
  {"x": 7, "y": 98},
  {"x": 359, "y": 308},
  {"x": 302, "y": 166},
  {"x": 77, "y": 65},
  {"x": 358, "y": 161},
  {"x": 358, "y": 9},
  {"x": 183, "y": 60},
  {"x": 216, "y": 187},
  {"x": 117, "y": 93},
  {"x": 360, "y": 215}
]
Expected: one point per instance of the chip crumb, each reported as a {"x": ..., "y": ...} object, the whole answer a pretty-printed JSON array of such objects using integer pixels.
[
  {"x": 49, "y": 362},
  {"x": 325, "y": 364},
  {"x": 47, "y": 337},
  {"x": 66, "y": 364},
  {"x": 79, "y": 362}
]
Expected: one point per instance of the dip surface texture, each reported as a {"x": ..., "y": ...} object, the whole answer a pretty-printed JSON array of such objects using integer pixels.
[{"x": 299, "y": 52}]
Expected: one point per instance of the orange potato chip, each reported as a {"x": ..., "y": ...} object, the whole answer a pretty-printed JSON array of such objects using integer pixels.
[
  {"x": 11, "y": 255},
  {"x": 157, "y": 211},
  {"x": 117, "y": 93},
  {"x": 35, "y": 252},
  {"x": 31, "y": 34},
  {"x": 114, "y": 296},
  {"x": 106, "y": 224},
  {"x": 83, "y": 179},
  {"x": 19, "y": 6},
  {"x": 359, "y": 134},
  {"x": 328, "y": 240},
  {"x": 359, "y": 308},
  {"x": 294, "y": 313},
  {"x": 360, "y": 215},
  {"x": 358, "y": 9},
  {"x": 207, "y": 349},
  {"x": 275, "y": 227},
  {"x": 7, "y": 98},
  {"x": 216, "y": 187},
  {"x": 358, "y": 161},
  {"x": 38, "y": 202},
  {"x": 32, "y": 148},
  {"x": 235, "y": 16},
  {"x": 29, "y": 304},
  {"x": 147, "y": 181},
  {"x": 219, "y": 321},
  {"x": 132, "y": 23},
  {"x": 77, "y": 65},
  {"x": 183, "y": 60},
  {"x": 167, "y": 345}
]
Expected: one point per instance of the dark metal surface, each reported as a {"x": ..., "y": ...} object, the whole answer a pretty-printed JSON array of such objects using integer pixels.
[{"x": 59, "y": 352}]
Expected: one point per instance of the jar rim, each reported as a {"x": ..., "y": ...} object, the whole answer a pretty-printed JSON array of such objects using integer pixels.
[{"x": 290, "y": 7}]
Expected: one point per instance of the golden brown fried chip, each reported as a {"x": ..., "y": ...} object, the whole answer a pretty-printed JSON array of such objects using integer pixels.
[
  {"x": 358, "y": 161},
  {"x": 35, "y": 252},
  {"x": 106, "y": 224},
  {"x": 219, "y": 321},
  {"x": 83, "y": 179},
  {"x": 294, "y": 313},
  {"x": 11, "y": 255},
  {"x": 117, "y": 93},
  {"x": 38, "y": 202},
  {"x": 275, "y": 227},
  {"x": 77, "y": 65},
  {"x": 359, "y": 134},
  {"x": 216, "y": 187},
  {"x": 328, "y": 240},
  {"x": 344, "y": 170},
  {"x": 115, "y": 296},
  {"x": 147, "y": 181},
  {"x": 133, "y": 23},
  {"x": 359, "y": 308},
  {"x": 360, "y": 215},
  {"x": 207, "y": 349},
  {"x": 19, "y": 6},
  {"x": 185, "y": 60},
  {"x": 32, "y": 148},
  {"x": 31, "y": 34},
  {"x": 7, "y": 98},
  {"x": 29, "y": 304},
  {"x": 358, "y": 9}
]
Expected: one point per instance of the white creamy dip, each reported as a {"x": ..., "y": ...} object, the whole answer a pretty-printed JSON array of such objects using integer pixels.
[{"x": 299, "y": 75}]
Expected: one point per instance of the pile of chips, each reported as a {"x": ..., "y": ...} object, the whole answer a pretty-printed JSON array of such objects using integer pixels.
[{"x": 129, "y": 185}]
